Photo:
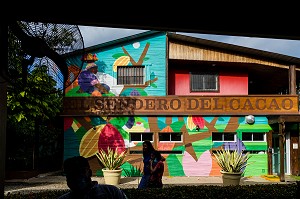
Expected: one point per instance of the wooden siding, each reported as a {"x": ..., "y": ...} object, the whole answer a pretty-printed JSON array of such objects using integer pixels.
[{"x": 185, "y": 52}]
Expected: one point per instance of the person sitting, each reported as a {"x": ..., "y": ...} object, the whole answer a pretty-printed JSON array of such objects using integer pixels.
[
  {"x": 89, "y": 83},
  {"x": 78, "y": 176}
]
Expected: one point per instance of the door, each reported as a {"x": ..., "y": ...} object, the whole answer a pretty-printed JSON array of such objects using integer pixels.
[{"x": 276, "y": 154}]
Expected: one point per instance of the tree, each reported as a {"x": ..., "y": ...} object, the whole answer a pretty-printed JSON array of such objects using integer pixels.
[
  {"x": 32, "y": 117},
  {"x": 34, "y": 102}
]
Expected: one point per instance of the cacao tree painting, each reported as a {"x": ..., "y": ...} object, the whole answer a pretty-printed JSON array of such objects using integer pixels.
[{"x": 190, "y": 157}]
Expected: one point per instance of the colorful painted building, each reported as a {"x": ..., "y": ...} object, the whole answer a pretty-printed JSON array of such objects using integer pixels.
[{"x": 189, "y": 97}]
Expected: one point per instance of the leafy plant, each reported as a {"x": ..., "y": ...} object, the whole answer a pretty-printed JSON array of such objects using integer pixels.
[
  {"x": 133, "y": 171},
  {"x": 232, "y": 161},
  {"x": 33, "y": 120},
  {"x": 112, "y": 159}
]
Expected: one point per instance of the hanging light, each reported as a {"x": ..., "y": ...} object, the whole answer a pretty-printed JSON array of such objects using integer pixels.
[{"x": 250, "y": 119}]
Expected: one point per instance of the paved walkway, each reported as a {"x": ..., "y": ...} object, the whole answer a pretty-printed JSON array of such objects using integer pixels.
[{"x": 54, "y": 181}]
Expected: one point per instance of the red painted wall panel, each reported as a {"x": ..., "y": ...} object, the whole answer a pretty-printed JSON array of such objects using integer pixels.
[{"x": 230, "y": 84}]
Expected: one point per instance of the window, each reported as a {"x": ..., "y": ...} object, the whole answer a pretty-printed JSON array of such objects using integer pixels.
[
  {"x": 253, "y": 137},
  {"x": 223, "y": 137},
  {"x": 207, "y": 81},
  {"x": 133, "y": 75},
  {"x": 140, "y": 137},
  {"x": 170, "y": 137}
]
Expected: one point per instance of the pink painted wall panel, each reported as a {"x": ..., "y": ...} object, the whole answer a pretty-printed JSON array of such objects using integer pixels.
[
  {"x": 230, "y": 84},
  {"x": 182, "y": 83},
  {"x": 233, "y": 84}
]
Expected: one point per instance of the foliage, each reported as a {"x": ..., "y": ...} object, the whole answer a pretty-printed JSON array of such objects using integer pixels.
[
  {"x": 257, "y": 191},
  {"x": 112, "y": 159},
  {"x": 32, "y": 108},
  {"x": 296, "y": 177},
  {"x": 37, "y": 98},
  {"x": 34, "y": 128},
  {"x": 133, "y": 171},
  {"x": 231, "y": 161}
]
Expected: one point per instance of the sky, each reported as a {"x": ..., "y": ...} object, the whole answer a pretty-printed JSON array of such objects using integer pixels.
[{"x": 97, "y": 35}]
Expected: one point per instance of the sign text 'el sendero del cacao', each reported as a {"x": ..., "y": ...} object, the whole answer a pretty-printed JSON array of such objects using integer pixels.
[{"x": 181, "y": 105}]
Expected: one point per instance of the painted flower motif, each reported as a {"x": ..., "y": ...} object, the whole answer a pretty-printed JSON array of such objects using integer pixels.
[{"x": 200, "y": 167}]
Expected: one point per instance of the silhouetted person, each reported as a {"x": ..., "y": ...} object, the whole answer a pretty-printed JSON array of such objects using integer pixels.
[
  {"x": 147, "y": 150},
  {"x": 78, "y": 176},
  {"x": 157, "y": 170}
]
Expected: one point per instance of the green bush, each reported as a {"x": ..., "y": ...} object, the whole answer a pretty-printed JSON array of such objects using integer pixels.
[{"x": 260, "y": 191}]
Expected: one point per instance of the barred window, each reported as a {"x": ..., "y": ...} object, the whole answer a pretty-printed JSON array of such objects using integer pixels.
[
  {"x": 130, "y": 75},
  {"x": 208, "y": 81}
]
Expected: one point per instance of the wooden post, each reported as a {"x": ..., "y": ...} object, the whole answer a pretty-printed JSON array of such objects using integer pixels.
[
  {"x": 292, "y": 80},
  {"x": 281, "y": 148},
  {"x": 298, "y": 166},
  {"x": 269, "y": 152}
]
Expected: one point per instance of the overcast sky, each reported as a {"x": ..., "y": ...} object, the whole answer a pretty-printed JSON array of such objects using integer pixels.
[{"x": 97, "y": 35}]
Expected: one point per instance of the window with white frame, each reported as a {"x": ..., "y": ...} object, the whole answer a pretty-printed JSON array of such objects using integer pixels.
[
  {"x": 133, "y": 75},
  {"x": 140, "y": 137},
  {"x": 253, "y": 137},
  {"x": 204, "y": 81},
  {"x": 223, "y": 137},
  {"x": 170, "y": 137}
]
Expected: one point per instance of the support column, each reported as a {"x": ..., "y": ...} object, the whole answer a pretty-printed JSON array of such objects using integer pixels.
[
  {"x": 281, "y": 148},
  {"x": 292, "y": 80},
  {"x": 269, "y": 152}
]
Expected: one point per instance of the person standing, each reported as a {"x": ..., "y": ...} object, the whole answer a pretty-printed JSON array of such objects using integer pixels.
[
  {"x": 78, "y": 176},
  {"x": 156, "y": 169},
  {"x": 147, "y": 150}
]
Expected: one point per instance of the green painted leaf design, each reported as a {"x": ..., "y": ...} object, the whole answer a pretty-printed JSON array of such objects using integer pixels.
[{"x": 117, "y": 55}]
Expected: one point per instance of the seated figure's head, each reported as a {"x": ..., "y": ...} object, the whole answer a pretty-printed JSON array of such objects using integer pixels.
[{"x": 78, "y": 173}]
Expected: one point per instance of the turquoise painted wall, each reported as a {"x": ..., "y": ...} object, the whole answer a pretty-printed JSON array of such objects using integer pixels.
[{"x": 149, "y": 52}]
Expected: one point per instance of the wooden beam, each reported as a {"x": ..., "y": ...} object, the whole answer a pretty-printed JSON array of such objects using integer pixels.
[{"x": 287, "y": 118}]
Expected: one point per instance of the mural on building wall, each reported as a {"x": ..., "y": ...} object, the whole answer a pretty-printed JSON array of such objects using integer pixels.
[
  {"x": 192, "y": 156},
  {"x": 86, "y": 135},
  {"x": 99, "y": 75}
]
